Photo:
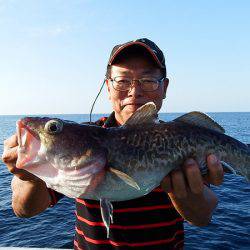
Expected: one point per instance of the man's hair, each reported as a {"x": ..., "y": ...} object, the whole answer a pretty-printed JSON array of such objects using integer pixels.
[{"x": 133, "y": 51}]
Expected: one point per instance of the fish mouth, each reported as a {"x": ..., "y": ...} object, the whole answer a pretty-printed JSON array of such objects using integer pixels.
[{"x": 29, "y": 145}]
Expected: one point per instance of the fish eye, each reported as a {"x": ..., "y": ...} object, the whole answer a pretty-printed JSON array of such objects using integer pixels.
[{"x": 53, "y": 126}]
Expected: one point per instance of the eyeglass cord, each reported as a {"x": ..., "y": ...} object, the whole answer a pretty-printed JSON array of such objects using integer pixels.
[{"x": 92, "y": 107}]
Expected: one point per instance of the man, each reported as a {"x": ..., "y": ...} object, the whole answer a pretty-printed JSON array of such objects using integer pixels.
[{"x": 136, "y": 74}]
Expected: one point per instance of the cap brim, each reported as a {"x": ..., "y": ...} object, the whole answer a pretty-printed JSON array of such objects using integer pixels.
[{"x": 118, "y": 51}]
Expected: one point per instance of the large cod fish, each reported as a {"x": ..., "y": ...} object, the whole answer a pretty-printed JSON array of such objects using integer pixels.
[{"x": 121, "y": 163}]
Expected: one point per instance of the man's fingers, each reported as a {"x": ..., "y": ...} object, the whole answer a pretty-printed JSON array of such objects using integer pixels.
[
  {"x": 215, "y": 170},
  {"x": 11, "y": 167},
  {"x": 193, "y": 176},
  {"x": 21, "y": 173},
  {"x": 166, "y": 184},
  {"x": 178, "y": 184},
  {"x": 25, "y": 175},
  {"x": 11, "y": 141},
  {"x": 10, "y": 149},
  {"x": 9, "y": 155}
]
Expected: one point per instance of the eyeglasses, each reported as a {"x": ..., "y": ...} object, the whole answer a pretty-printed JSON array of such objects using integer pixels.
[{"x": 122, "y": 83}]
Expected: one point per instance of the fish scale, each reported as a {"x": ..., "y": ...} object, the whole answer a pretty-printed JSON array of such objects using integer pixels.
[{"x": 192, "y": 141}]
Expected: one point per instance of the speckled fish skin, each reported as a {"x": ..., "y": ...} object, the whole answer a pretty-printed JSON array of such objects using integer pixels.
[
  {"x": 145, "y": 152},
  {"x": 148, "y": 153}
]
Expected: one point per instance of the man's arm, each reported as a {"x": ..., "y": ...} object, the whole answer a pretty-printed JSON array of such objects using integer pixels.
[
  {"x": 192, "y": 199},
  {"x": 30, "y": 195},
  {"x": 29, "y": 198}
]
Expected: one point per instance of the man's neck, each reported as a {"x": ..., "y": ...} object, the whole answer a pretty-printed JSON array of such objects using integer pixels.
[{"x": 119, "y": 120}]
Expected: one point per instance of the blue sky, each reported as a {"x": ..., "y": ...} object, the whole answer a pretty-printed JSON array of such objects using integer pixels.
[{"x": 53, "y": 54}]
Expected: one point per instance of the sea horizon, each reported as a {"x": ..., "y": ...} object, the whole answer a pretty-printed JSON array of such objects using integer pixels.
[{"x": 178, "y": 112}]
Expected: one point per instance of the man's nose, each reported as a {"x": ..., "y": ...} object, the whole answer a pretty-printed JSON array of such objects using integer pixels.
[{"x": 135, "y": 89}]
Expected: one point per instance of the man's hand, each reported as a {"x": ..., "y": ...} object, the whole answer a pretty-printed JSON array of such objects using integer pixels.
[
  {"x": 26, "y": 187},
  {"x": 9, "y": 157},
  {"x": 191, "y": 198},
  {"x": 189, "y": 179}
]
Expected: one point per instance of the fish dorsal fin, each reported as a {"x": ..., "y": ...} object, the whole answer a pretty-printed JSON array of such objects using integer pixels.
[
  {"x": 202, "y": 120},
  {"x": 145, "y": 114}
]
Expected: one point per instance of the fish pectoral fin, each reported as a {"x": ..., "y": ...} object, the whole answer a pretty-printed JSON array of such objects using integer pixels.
[
  {"x": 202, "y": 120},
  {"x": 127, "y": 179},
  {"x": 106, "y": 213},
  {"x": 146, "y": 114},
  {"x": 228, "y": 168}
]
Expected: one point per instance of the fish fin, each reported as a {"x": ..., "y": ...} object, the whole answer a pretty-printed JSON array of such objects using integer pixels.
[
  {"x": 146, "y": 114},
  {"x": 228, "y": 168},
  {"x": 202, "y": 120},
  {"x": 106, "y": 213},
  {"x": 127, "y": 179}
]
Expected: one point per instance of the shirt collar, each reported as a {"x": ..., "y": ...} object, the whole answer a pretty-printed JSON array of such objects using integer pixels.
[{"x": 111, "y": 121}]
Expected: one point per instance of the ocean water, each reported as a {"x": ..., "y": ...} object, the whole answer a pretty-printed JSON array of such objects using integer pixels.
[{"x": 229, "y": 228}]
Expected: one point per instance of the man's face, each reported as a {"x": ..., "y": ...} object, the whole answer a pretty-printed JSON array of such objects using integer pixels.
[{"x": 125, "y": 103}]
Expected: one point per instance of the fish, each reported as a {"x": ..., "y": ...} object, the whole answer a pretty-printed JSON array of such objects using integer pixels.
[{"x": 126, "y": 162}]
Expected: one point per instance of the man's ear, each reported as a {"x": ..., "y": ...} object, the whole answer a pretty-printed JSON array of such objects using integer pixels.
[
  {"x": 165, "y": 87},
  {"x": 107, "y": 82}
]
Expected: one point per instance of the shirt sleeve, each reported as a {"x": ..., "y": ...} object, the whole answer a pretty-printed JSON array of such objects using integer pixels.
[{"x": 55, "y": 197}]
